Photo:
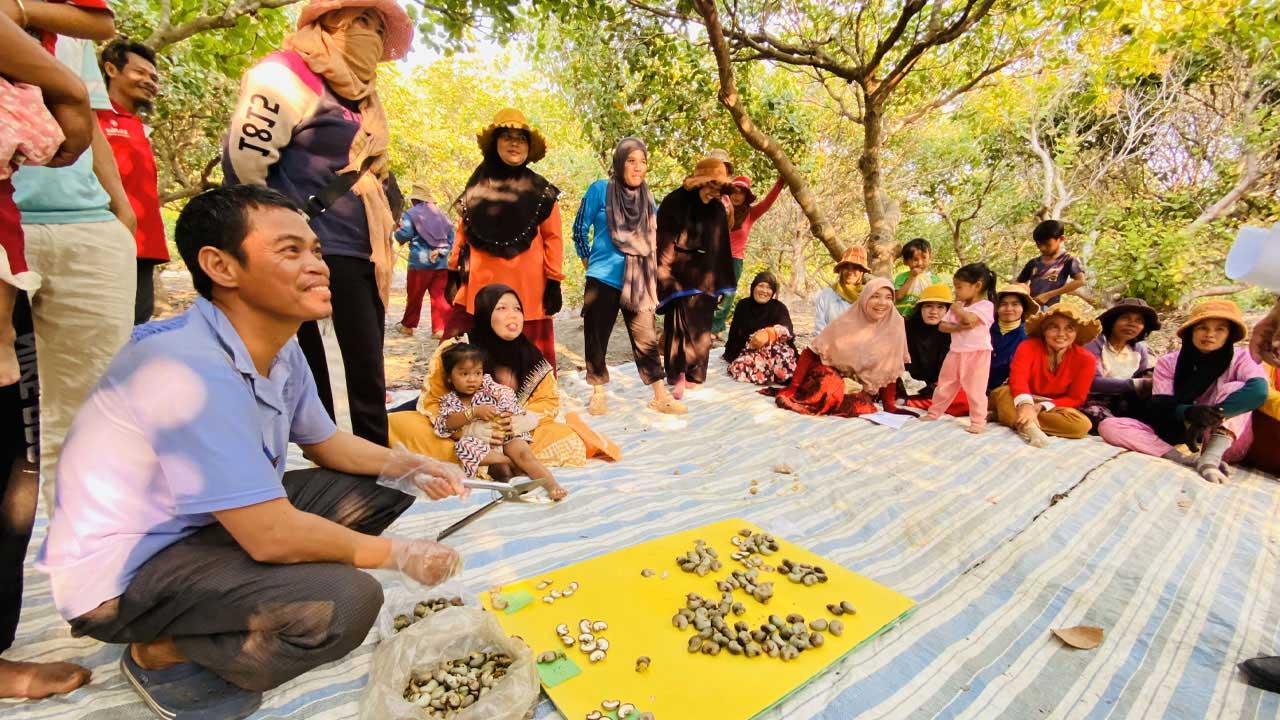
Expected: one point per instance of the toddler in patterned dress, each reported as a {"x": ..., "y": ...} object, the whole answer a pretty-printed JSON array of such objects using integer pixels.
[{"x": 474, "y": 396}]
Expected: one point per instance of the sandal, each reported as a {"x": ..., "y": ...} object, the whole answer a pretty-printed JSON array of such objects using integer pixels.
[{"x": 669, "y": 406}]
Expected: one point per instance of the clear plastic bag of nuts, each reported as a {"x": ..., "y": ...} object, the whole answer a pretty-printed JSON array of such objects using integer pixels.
[
  {"x": 439, "y": 638},
  {"x": 401, "y": 599}
]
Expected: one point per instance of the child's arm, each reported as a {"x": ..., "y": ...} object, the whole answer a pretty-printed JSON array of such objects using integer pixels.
[
  {"x": 904, "y": 288},
  {"x": 963, "y": 320},
  {"x": 1075, "y": 283},
  {"x": 455, "y": 421}
]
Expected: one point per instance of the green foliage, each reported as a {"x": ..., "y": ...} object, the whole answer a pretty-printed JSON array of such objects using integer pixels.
[
  {"x": 200, "y": 78},
  {"x": 962, "y": 174},
  {"x": 434, "y": 112}
]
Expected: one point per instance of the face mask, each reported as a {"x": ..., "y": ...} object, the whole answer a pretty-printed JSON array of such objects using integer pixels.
[{"x": 362, "y": 49}]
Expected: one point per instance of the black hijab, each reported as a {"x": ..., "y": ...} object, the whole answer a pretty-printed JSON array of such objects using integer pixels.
[
  {"x": 750, "y": 317},
  {"x": 502, "y": 206},
  {"x": 520, "y": 357},
  {"x": 928, "y": 347},
  {"x": 1196, "y": 371}
]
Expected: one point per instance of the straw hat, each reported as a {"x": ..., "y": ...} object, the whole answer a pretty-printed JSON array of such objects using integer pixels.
[
  {"x": 513, "y": 119},
  {"x": 708, "y": 170},
  {"x": 1150, "y": 320},
  {"x": 855, "y": 256},
  {"x": 420, "y": 192},
  {"x": 399, "y": 35},
  {"x": 1023, "y": 291},
  {"x": 1219, "y": 309},
  {"x": 936, "y": 293},
  {"x": 743, "y": 183},
  {"x": 1087, "y": 328}
]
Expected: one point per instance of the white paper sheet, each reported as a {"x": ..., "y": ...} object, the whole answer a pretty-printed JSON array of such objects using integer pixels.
[{"x": 889, "y": 419}]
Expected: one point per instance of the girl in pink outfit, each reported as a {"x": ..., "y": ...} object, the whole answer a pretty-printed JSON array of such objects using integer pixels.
[
  {"x": 968, "y": 364},
  {"x": 1204, "y": 393}
]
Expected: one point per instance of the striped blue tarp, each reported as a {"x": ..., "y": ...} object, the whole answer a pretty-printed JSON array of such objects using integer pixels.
[{"x": 997, "y": 541}]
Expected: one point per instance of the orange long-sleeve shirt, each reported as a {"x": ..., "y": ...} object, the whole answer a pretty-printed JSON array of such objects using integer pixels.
[{"x": 526, "y": 273}]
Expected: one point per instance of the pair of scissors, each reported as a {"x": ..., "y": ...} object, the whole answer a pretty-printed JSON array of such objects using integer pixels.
[{"x": 519, "y": 490}]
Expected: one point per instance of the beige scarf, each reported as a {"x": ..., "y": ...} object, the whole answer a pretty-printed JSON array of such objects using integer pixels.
[
  {"x": 875, "y": 351},
  {"x": 322, "y": 45}
]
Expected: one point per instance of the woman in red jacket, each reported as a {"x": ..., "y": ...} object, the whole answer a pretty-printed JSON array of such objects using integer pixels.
[{"x": 1049, "y": 378}]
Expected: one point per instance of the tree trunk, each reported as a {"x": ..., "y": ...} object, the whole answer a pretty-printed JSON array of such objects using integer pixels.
[
  {"x": 882, "y": 246},
  {"x": 799, "y": 271},
  {"x": 756, "y": 137}
]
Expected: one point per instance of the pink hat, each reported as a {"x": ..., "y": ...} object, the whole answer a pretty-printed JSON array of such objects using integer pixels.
[
  {"x": 744, "y": 183},
  {"x": 399, "y": 29}
]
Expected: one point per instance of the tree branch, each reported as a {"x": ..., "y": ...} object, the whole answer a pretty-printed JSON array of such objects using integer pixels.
[
  {"x": 986, "y": 72},
  {"x": 756, "y": 137},
  {"x": 166, "y": 33},
  {"x": 1211, "y": 291},
  {"x": 204, "y": 183},
  {"x": 1248, "y": 177},
  {"x": 974, "y": 10}
]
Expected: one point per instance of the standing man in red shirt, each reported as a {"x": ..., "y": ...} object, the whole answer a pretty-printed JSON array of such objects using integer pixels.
[{"x": 132, "y": 83}]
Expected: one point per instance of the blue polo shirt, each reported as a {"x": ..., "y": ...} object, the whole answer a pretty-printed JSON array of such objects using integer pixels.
[{"x": 180, "y": 426}]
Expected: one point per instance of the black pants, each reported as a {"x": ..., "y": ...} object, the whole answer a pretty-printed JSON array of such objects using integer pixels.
[
  {"x": 144, "y": 302},
  {"x": 600, "y": 306},
  {"x": 359, "y": 320},
  {"x": 686, "y": 336},
  {"x": 257, "y": 625},
  {"x": 19, "y": 471}
]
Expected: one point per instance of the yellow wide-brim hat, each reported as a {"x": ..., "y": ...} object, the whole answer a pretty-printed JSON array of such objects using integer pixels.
[
  {"x": 1023, "y": 292},
  {"x": 937, "y": 293},
  {"x": 512, "y": 118},
  {"x": 1087, "y": 328},
  {"x": 1219, "y": 310}
]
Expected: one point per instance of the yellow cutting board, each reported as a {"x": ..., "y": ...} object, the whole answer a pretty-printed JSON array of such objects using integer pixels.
[{"x": 679, "y": 685}]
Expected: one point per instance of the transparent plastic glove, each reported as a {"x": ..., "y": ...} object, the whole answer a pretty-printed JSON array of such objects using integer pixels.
[
  {"x": 415, "y": 474},
  {"x": 426, "y": 561}
]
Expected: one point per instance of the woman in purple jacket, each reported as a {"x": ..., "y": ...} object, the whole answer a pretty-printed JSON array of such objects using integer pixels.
[{"x": 1123, "y": 380}]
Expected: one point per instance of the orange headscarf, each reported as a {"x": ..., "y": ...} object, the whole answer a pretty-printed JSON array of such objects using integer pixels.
[{"x": 875, "y": 351}]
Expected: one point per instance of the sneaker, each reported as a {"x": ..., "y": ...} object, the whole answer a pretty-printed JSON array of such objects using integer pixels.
[{"x": 188, "y": 692}]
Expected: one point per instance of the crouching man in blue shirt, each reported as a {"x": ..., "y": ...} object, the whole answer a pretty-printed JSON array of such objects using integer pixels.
[{"x": 176, "y": 528}]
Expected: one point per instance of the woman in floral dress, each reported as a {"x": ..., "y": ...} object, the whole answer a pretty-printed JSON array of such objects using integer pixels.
[{"x": 761, "y": 346}]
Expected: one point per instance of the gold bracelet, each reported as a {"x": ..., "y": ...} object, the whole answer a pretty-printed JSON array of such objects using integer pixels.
[
  {"x": 22, "y": 9},
  {"x": 468, "y": 414}
]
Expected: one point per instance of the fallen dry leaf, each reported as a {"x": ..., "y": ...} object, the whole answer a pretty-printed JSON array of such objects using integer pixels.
[
  {"x": 1083, "y": 637},
  {"x": 783, "y": 469}
]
